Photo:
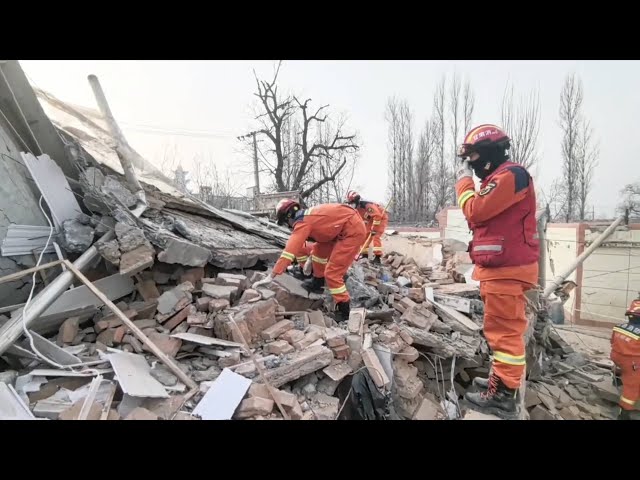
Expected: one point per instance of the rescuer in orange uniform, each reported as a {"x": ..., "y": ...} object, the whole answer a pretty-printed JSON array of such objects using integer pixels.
[
  {"x": 376, "y": 220},
  {"x": 505, "y": 251},
  {"x": 338, "y": 232},
  {"x": 302, "y": 260},
  {"x": 625, "y": 353}
]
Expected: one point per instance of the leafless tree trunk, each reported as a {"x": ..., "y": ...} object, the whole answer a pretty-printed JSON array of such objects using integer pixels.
[
  {"x": 468, "y": 104},
  {"x": 391, "y": 117},
  {"x": 570, "y": 117},
  {"x": 521, "y": 120},
  {"x": 587, "y": 157},
  {"x": 454, "y": 115},
  {"x": 579, "y": 151},
  {"x": 441, "y": 175},
  {"x": 423, "y": 170},
  {"x": 630, "y": 200}
]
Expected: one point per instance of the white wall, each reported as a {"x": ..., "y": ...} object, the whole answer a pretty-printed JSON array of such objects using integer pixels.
[{"x": 456, "y": 226}]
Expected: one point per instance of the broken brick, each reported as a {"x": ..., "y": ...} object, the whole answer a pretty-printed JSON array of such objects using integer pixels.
[
  {"x": 145, "y": 323},
  {"x": 148, "y": 290},
  {"x": 69, "y": 330},
  {"x": 276, "y": 330},
  {"x": 292, "y": 336},
  {"x": 202, "y": 304},
  {"x": 295, "y": 412},
  {"x": 119, "y": 334},
  {"x": 307, "y": 340},
  {"x": 106, "y": 337},
  {"x": 168, "y": 345},
  {"x": 218, "y": 304},
  {"x": 112, "y": 321},
  {"x": 194, "y": 276},
  {"x": 410, "y": 354},
  {"x": 140, "y": 413},
  {"x": 279, "y": 347},
  {"x": 250, "y": 296},
  {"x": 254, "y": 406},
  {"x": 134, "y": 342},
  {"x": 375, "y": 368},
  {"x": 342, "y": 352},
  {"x": 220, "y": 291},
  {"x": 316, "y": 317},
  {"x": 229, "y": 361},
  {"x": 262, "y": 391},
  {"x": 197, "y": 318},
  {"x": 411, "y": 389},
  {"x": 416, "y": 294},
  {"x": 206, "y": 332},
  {"x": 404, "y": 304},
  {"x": 136, "y": 260},
  {"x": 405, "y": 337},
  {"x": 179, "y": 317},
  {"x": 356, "y": 320},
  {"x": 336, "y": 341},
  {"x": 354, "y": 342},
  {"x": 403, "y": 372},
  {"x": 338, "y": 371},
  {"x": 72, "y": 413}
]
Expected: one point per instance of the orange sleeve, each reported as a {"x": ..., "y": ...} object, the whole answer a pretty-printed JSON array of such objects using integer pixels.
[
  {"x": 376, "y": 219},
  {"x": 294, "y": 245},
  {"x": 499, "y": 194}
]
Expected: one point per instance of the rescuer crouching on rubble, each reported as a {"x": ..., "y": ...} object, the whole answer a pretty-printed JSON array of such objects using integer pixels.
[
  {"x": 505, "y": 251},
  {"x": 338, "y": 232},
  {"x": 376, "y": 220},
  {"x": 625, "y": 353}
]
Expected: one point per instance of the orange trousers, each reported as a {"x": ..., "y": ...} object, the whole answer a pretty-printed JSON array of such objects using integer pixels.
[
  {"x": 504, "y": 327},
  {"x": 630, "y": 379},
  {"x": 331, "y": 260},
  {"x": 377, "y": 240}
]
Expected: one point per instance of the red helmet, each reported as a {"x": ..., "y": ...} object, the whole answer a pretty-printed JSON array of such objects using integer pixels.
[
  {"x": 285, "y": 209},
  {"x": 485, "y": 134},
  {"x": 634, "y": 308},
  {"x": 353, "y": 196}
]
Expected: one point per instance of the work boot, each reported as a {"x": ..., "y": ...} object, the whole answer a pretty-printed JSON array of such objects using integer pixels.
[
  {"x": 376, "y": 260},
  {"x": 498, "y": 399},
  {"x": 342, "y": 311},
  {"x": 296, "y": 272},
  {"x": 481, "y": 383},
  {"x": 624, "y": 414},
  {"x": 314, "y": 285}
]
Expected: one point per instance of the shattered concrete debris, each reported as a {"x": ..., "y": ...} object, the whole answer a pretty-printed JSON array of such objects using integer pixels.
[{"x": 76, "y": 236}]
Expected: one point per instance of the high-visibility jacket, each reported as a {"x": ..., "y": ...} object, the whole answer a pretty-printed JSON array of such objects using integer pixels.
[
  {"x": 502, "y": 217},
  {"x": 374, "y": 215},
  {"x": 625, "y": 342},
  {"x": 324, "y": 223}
]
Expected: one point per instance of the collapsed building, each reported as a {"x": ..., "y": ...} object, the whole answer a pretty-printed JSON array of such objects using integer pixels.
[{"x": 142, "y": 309}]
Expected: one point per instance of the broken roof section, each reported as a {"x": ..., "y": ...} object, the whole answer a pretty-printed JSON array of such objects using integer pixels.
[{"x": 234, "y": 240}]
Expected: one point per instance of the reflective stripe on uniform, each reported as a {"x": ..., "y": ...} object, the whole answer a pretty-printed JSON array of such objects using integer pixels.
[
  {"x": 464, "y": 196},
  {"x": 487, "y": 248},
  {"x": 376, "y": 222},
  {"x": 626, "y": 332},
  {"x": 627, "y": 401},
  {"x": 323, "y": 261},
  {"x": 302, "y": 259},
  {"x": 377, "y": 249},
  {"x": 509, "y": 359},
  {"x": 339, "y": 290},
  {"x": 288, "y": 256}
]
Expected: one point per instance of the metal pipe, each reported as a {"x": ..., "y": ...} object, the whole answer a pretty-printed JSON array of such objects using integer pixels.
[
  {"x": 12, "y": 330},
  {"x": 583, "y": 256}
]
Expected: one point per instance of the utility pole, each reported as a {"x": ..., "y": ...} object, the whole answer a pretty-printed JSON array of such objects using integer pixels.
[{"x": 256, "y": 174}]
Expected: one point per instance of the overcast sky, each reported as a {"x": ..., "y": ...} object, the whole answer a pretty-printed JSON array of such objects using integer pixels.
[{"x": 200, "y": 107}]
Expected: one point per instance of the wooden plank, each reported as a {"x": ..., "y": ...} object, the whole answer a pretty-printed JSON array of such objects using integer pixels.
[
  {"x": 455, "y": 319},
  {"x": 53, "y": 352},
  {"x": 51, "y": 372},
  {"x": 88, "y": 401},
  {"x": 15, "y": 276},
  {"x": 223, "y": 397},
  {"x": 458, "y": 303},
  {"x": 175, "y": 369},
  {"x": 54, "y": 187},
  {"x": 133, "y": 375},
  {"x": 208, "y": 341}
]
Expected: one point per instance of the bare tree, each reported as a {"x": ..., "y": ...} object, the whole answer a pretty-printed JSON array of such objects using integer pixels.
[
  {"x": 442, "y": 174},
  {"x": 468, "y": 104},
  {"x": 579, "y": 150},
  {"x": 295, "y": 149},
  {"x": 587, "y": 152},
  {"x": 521, "y": 120},
  {"x": 215, "y": 187},
  {"x": 423, "y": 173},
  {"x": 630, "y": 200},
  {"x": 571, "y": 99}
]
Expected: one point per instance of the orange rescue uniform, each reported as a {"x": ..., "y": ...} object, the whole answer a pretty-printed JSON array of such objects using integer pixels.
[
  {"x": 376, "y": 220},
  {"x": 625, "y": 353},
  {"x": 338, "y": 232},
  {"x": 501, "y": 288},
  {"x": 304, "y": 253}
]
